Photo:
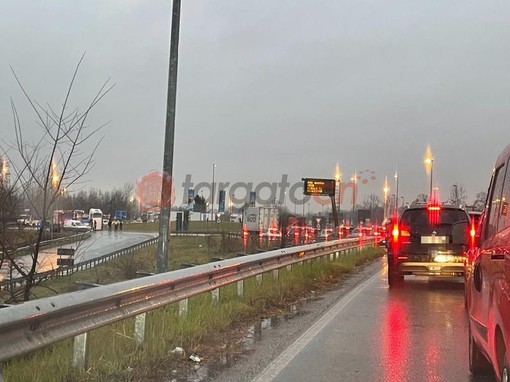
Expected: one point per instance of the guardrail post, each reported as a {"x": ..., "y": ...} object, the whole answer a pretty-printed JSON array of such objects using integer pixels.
[
  {"x": 331, "y": 257},
  {"x": 259, "y": 279},
  {"x": 183, "y": 308},
  {"x": 215, "y": 295},
  {"x": 80, "y": 351},
  {"x": 140, "y": 328},
  {"x": 275, "y": 274},
  {"x": 240, "y": 288}
]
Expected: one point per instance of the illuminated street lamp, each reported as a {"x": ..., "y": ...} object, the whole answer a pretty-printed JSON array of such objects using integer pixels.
[
  {"x": 5, "y": 173},
  {"x": 353, "y": 179},
  {"x": 386, "y": 190},
  {"x": 429, "y": 167},
  {"x": 338, "y": 179},
  {"x": 55, "y": 178},
  {"x": 396, "y": 192}
]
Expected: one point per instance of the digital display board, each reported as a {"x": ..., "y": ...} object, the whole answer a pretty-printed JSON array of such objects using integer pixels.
[{"x": 314, "y": 186}]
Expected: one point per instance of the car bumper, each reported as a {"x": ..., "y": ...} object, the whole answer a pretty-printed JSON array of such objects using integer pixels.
[{"x": 431, "y": 269}]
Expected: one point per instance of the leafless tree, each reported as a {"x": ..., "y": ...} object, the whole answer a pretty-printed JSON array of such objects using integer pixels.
[
  {"x": 371, "y": 202},
  {"x": 479, "y": 202},
  {"x": 42, "y": 167},
  {"x": 458, "y": 195},
  {"x": 422, "y": 198}
]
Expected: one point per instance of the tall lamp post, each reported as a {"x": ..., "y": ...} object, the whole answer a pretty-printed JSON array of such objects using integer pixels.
[
  {"x": 429, "y": 166},
  {"x": 5, "y": 173},
  {"x": 386, "y": 189},
  {"x": 338, "y": 179},
  {"x": 212, "y": 192},
  {"x": 429, "y": 163},
  {"x": 396, "y": 192},
  {"x": 355, "y": 181}
]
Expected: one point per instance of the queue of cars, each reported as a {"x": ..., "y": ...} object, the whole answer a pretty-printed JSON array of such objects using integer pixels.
[{"x": 440, "y": 240}]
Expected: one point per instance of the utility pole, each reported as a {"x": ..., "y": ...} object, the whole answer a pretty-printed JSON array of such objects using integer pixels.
[
  {"x": 168, "y": 154},
  {"x": 396, "y": 193},
  {"x": 212, "y": 193}
]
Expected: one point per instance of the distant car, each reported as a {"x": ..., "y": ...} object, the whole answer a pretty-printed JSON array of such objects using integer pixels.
[
  {"x": 23, "y": 220},
  {"x": 105, "y": 222},
  {"x": 428, "y": 240},
  {"x": 475, "y": 217},
  {"x": 76, "y": 225},
  {"x": 326, "y": 232},
  {"x": 488, "y": 280},
  {"x": 356, "y": 232}
]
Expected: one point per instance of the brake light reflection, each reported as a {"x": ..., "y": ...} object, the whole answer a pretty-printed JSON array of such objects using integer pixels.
[
  {"x": 395, "y": 342},
  {"x": 472, "y": 234}
]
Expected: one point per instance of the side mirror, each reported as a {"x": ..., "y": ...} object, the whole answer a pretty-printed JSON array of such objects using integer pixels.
[{"x": 460, "y": 233}]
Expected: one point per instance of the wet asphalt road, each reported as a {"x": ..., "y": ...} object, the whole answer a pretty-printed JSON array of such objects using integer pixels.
[
  {"x": 99, "y": 244},
  {"x": 417, "y": 333}
]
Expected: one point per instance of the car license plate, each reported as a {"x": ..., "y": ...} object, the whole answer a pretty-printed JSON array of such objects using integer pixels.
[
  {"x": 434, "y": 239},
  {"x": 434, "y": 268}
]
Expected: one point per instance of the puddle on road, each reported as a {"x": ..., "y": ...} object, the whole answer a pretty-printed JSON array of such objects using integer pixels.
[{"x": 232, "y": 353}]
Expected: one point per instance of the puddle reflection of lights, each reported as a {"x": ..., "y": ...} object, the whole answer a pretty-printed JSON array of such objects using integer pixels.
[{"x": 395, "y": 340}]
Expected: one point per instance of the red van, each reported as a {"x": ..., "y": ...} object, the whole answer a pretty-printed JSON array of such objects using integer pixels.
[{"x": 488, "y": 281}]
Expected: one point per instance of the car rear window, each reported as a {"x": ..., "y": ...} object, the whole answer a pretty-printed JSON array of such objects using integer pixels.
[{"x": 420, "y": 217}]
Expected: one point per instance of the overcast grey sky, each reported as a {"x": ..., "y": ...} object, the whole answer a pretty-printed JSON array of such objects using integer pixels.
[{"x": 267, "y": 88}]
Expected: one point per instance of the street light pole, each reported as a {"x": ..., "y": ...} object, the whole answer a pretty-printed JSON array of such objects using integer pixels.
[
  {"x": 168, "y": 153},
  {"x": 336, "y": 208},
  {"x": 354, "y": 180},
  {"x": 431, "y": 175},
  {"x": 212, "y": 193},
  {"x": 396, "y": 192},
  {"x": 386, "y": 189},
  {"x": 429, "y": 161}
]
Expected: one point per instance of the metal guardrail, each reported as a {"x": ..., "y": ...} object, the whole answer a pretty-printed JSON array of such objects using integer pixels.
[
  {"x": 68, "y": 270},
  {"x": 36, "y": 324}
]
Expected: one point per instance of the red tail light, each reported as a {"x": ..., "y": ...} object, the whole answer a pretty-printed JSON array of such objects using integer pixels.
[
  {"x": 472, "y": 234},
  {"x": 399, "y": 233},
  {"x": 395, "y": 232},
  {"x": 434, "y": 210}
]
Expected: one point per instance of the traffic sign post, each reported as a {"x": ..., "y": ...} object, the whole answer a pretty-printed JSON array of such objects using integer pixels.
[{"x": 322, "y": 187}]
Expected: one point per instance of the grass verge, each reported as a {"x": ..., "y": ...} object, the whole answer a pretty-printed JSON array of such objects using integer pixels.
[{"x": 115, "y": 357}]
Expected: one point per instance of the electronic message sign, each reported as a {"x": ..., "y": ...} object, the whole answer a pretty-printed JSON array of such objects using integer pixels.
[{"x": 325, "y": 187}]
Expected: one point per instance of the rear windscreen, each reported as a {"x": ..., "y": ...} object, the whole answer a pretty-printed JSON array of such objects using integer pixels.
[{"x": 422, "y": 217}]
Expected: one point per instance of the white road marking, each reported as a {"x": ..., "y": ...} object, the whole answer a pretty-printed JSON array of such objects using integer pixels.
[{"x": 280, "y": 363}]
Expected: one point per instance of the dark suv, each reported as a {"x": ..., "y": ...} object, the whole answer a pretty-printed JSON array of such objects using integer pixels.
[{"x": 428, "y": 240}]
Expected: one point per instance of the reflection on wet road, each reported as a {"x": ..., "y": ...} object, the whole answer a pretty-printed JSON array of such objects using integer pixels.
[
  {"x": 99, "y": 244},
  {"x": 417, "y": 333}
]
